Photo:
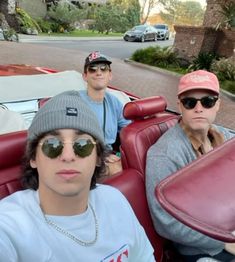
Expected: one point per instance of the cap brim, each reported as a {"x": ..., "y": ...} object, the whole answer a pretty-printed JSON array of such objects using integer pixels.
[
  {"x": 198, "y": 88},
  {"x": 98, "y": 61}
]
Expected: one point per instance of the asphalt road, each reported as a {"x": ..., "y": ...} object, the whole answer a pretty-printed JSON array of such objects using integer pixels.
[
  {"x": 117, "y": 48},
  {"x": 141, "y": 81}
]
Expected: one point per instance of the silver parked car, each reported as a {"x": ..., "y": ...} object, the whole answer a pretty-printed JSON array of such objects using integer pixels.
[{"x": 163, "y": 32}]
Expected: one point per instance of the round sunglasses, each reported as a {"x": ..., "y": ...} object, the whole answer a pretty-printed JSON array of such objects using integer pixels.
[
  {"x": 53, "y": 147},
  {"x": 206, "y": 101},
  {"x": 94, "y": 68}
]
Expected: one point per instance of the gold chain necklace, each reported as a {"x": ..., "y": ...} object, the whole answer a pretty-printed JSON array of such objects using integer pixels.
[{"x": 71, "y": 236}]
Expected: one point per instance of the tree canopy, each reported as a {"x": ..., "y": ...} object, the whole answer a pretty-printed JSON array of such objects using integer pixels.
[
  {"x": 182, "y": 13},
  {"x": 116, "y": 15}
]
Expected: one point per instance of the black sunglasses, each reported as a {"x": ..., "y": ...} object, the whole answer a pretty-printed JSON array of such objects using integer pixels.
[
  {"x": 53, "y": 147},
  {"x": 94, "y": 68},
  {"x": 206, "y": 101}
]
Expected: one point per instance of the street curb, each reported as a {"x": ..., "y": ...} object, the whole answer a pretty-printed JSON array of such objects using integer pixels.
[
  {"x": 157, "y": 69},
  {"x": 35, "y": 38},
  {"x": 228, "y": 94},
  {"x": 152, "y": 68}
]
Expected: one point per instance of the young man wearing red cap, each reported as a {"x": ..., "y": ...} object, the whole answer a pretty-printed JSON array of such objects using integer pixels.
[
  {"x": 193, "y": 136},
  {"x": 109, "y": 110}
]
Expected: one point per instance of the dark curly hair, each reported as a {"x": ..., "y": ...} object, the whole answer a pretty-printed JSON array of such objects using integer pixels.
[{"x": 30, "y": 175}]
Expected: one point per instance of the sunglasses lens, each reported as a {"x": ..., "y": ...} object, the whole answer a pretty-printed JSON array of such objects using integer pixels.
[
  {"x": 208, "y": 101},
  {"x": 189, "y": 102},
  {"x": 52, "y": 147},
  {"x": 83, "y": 147},
  {"x": 94, "y": 68},
  {"x": 104, "y": 68}
]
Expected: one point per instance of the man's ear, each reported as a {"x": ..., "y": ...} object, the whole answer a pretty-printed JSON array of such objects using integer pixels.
[
  {"x": 33, "y": 163},
  {"x": 218, "y": 104},
  {"x": 110, "y": 75},
  {"x": 98, "y": 162},
  {"x": 84, "y": 76},
  {"x": 179, "y": 106}
]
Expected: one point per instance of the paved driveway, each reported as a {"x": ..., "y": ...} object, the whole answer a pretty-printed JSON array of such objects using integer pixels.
[{"x": 140, "y": 81}]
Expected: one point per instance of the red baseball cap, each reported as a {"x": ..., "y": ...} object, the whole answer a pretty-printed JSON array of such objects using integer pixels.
[
  {"x": 96, "y": 57},
  {"x": 199, "y": 79}
]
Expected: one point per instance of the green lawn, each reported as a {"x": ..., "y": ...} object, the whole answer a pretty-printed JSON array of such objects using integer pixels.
[{"x": 84, "y": 33}]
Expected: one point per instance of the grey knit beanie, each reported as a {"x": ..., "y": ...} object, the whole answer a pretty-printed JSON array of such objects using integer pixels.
[{"x": 66, "y": 110}]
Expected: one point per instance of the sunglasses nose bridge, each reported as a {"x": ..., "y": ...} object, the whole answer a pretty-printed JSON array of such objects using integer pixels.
[
  {"x": 98, "y": 70},
  {"x": 198, "y": 105},
  {"x": 67, "y": 153}
]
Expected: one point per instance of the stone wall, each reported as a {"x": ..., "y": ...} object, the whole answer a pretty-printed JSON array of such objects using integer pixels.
[
  {"x": 225, "y": 44},
  {"x": 11, "y": 7},
  {"x": 7, "y": 7},
  {"x": 36, "y": 8},
  {"x": 190, "y": 40}
]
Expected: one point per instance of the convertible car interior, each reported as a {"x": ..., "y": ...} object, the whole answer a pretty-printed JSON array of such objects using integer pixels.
[
  {"x": 150, "y": 120},
  {"x": 43, "y": 84}
]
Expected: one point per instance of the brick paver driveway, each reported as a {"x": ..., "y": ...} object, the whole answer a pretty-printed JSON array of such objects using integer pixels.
[{"x": 137, "y": 80}]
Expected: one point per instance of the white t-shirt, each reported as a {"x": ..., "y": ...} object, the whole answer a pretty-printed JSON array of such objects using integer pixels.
[
  {"x": 11, "y": 121},
  {"x": 26, "y": 237}
]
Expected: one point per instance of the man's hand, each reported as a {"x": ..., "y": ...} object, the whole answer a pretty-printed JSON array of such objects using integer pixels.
[
  {"x": 114, "y": 164},
  {"x": 112, "y": 158},
  {"x": 230, "y": 248}
]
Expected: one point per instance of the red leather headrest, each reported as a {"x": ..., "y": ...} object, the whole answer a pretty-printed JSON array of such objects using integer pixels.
[
  {"x": 12, "y": 147},
  {"x": 141, "y": 108},
  {"x": 202, "y": 194}
]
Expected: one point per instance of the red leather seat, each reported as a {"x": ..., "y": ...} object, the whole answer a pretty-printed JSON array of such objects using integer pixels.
[
  {"x": 12, "y": 148},
  {"x": 149, "y": 121},
  {"x": 208, "y": 186},
  {"x": 131, "y": 183}
]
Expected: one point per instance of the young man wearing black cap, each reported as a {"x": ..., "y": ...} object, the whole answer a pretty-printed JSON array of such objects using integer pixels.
[
  {"x": 109, "y": 110},
  {"x": 64, "y": 215},
  {"x": 193, "y": 136}
]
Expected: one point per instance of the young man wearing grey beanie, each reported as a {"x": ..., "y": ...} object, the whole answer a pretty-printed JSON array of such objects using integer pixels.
[{"x": 63, "y": 215}]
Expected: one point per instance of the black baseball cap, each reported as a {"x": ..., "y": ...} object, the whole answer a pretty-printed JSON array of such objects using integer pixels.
[{"x": 96, "y": 57}]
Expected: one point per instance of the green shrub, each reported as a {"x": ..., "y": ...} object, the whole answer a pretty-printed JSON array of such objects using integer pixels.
[
  {"x": 26, "y": 21},
  {"x": 202, "y": 61},
  {"x": 144, "y": 55},
  {"x": 224, "y": 68},
  {"x": 228, "y": 85},
  {"x": 165, "y": 57},
  {"x": 45, "y": 25},
  {"x": 11, "y": 35},
  {"x": 64, "y": 15},
  {"x": 156, "y": 56},
  {"x": 228, "y": 15}
]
